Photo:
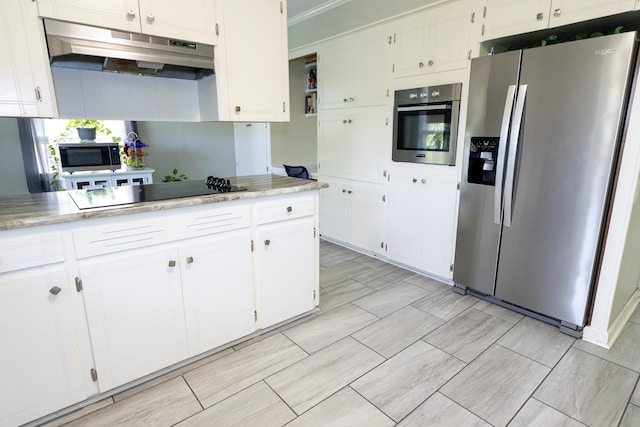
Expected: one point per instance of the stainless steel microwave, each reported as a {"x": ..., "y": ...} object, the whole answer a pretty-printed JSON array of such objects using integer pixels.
[
  {"x": 88, "y": 156},
  {"x": 425, "y": 125}
]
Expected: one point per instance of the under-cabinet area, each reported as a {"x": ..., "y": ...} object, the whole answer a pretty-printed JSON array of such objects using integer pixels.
[{"x": 120, "y": 298}]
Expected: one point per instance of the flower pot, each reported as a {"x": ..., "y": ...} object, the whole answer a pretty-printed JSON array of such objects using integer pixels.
[{"x": 86, "y": 134}]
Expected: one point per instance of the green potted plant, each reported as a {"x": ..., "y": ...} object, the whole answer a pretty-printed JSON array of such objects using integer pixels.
[
  {"x": 88, "y": 128},
  {"x": 176, "y": 176}
]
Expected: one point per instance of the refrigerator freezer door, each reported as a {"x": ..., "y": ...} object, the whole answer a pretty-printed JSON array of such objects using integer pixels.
[
  {"x": 567, "y": 145},
  {"x": 478, "y": 235}
]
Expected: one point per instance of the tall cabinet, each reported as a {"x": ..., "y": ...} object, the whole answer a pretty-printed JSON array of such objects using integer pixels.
[{"x": 354, "y": 128}]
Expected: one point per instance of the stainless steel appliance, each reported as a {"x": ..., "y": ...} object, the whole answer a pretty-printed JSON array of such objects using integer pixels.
[
  {"x": 425, "y": 125},
  {"x": 542, "y": 138},
  {"x": 87, "y": 156}
]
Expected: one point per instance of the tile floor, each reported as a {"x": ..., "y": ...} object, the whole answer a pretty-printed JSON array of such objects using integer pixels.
[{"x": 386, "y": 348}]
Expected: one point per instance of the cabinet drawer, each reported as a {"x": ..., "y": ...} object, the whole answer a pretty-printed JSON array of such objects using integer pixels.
[
  {"x": 286, "y": 208},
  {"x": 30, "y": 251}
]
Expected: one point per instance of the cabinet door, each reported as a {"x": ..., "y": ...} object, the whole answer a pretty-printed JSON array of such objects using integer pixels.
[
  {"x": 368, "y": 68},
  {"x": 41, "y": 366},
  {"x": 449, "y": 37},
  {"x": 436, "y": 210},
  {"x": 252, "y": 60},
  {"x": 117, "y": 14},
  {"x": 368, "y": 135},
  {"x": 409, "y": 43},
  {"x": 285, "y": 254},
  {"x": 135, "y": 313},
  {"x": 565, "y": 12},
  {"x": 333, "y": 149},
  {"x": 405, "y": 226},
  {"x": 366, "y": 216},
  {"x": 333, "y": 210},
  {"x": 194, "y": 21},
  {"x": 26, "y": 87},
  {"x": 332, "y": 69},
  {"x": 509, "y": 17},
  {"x": 217, "y": 285}
]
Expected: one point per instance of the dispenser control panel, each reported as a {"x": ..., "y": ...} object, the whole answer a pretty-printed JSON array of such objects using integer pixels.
[{"x": 483, "y": 154}]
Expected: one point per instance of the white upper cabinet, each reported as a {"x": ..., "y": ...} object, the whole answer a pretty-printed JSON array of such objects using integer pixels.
[
  {"x": 501, "y": 18},
  {"x": 565, "y": 12},
  {"x": 26, "y": 88},
  {"x": 356, "y": 70},
  {"x": 251, "y": 62},
  {"x": 193, "y": 22},
  {"x": 434, "y": 40}
]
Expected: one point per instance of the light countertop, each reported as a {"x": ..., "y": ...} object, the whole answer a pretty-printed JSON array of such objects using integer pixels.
[{"x": 39, "y": 209}]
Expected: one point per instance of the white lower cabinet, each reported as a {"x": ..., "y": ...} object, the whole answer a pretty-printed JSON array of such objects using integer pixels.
[
  {"x": 217, "y": 286},
  {"x": 46, "y": 358},
  {"x": 135, "y": 313},
  {"x": 422, "y": 219},
  {"x": 286, "y": 269},
  {"x": 352, "y": 213}
]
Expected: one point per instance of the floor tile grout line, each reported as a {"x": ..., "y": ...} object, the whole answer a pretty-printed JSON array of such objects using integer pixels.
[
  {"x": 192, "y": 391},
  {"x": 373, "y": 404}
]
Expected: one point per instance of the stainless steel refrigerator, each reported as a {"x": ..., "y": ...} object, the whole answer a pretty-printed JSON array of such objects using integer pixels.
[{"x": 543, "y": 133}]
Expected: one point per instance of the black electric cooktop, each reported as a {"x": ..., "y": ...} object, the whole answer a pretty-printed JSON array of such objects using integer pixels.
[{"x": 114, "y": 196}]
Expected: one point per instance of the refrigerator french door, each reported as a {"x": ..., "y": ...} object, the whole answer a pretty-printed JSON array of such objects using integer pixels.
[{"x": 542, "y": 136}]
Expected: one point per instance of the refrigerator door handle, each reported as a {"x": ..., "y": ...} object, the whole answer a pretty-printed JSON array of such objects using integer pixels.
[
  {"x": 502, "y": 146},
  {"x": 514, "y": 140}
]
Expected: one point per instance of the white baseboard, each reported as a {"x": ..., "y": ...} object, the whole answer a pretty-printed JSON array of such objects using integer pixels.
[{"x": 606, "y": 338}]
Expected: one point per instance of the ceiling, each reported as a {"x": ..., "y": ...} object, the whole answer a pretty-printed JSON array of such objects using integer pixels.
[{"x": 299, "y": 10}]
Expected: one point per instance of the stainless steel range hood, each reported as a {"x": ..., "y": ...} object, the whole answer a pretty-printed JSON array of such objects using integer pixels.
[{"x": 92, "y": 48}]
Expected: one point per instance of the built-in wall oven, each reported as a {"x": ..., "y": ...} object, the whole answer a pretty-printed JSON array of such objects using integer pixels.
[{"x": 425, "y": 125}]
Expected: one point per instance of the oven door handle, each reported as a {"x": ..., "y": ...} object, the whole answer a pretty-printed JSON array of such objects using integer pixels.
[
  {"x": 502, "y": 147},
  {"x": 425, "y": 107}
]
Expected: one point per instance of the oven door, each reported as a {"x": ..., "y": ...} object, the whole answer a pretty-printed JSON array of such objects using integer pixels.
[{"x": 426, "y": 133}]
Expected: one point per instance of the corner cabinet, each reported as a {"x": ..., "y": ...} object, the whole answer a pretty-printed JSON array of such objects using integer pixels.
[
  {"x": 193, "y": 22},
  {"x": 26, "y": 87},
  {"x": 251, "y": 61}
]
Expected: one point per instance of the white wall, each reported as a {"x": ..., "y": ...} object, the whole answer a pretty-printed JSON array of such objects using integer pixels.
[
  {"x": 195, "y": 149},
  {"x": 12, "y": 176}
]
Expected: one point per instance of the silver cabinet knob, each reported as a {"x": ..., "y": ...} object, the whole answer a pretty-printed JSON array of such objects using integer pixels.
[
  {"x": 421, "y": 64},
  {"x": 238, "y": 109},
  {"x": 189, "y": 260},
  {"x": 267, "y": 242},
  {"x": 344, "y": 121},
  {"x": 349, "y": 121},
  {"x": 344, "y": 191},
  {"x": 172, "y": 263},
  {"x": 430, "y": 63},
  {"x": 344, "y": 100},
  {"x": 55, "y": 290},
  {"x": 557, "y": 12},
  {"x": 289, "y": 209},
  {"x": 131, "y": 14},
  {"x": 423, "y": 180},
  {"x": 349, "y": 191},
  {"x": 540, "y": 16},
  {"x": 415, "y": 179},
  {"x": 150, "y": 18},
  {"x": 351, "y": 99}
]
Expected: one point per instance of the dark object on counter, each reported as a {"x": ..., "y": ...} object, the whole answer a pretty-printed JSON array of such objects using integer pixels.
[{"x": 297, "y": 171}]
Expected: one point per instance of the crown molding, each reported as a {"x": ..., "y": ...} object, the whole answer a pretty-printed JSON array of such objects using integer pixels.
[{"x": 321, "y": 8}]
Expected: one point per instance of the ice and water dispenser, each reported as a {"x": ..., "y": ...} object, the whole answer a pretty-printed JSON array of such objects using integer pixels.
[{"x": 483, "y": 153}]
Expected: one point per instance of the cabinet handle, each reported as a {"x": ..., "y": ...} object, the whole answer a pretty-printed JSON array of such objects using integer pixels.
[
  {"x": 557, "y": 12},
  {"x": 430, "y": 63},
  {"x": 484, "y": 12},
  {"x": 151, "y": 18},
  {"x": 172, "y": 263},
  {"x": 421, "y": 64},
  {"x": 289, "y": 209},
  {"x": 189, "y": 260},
  {"x": 540, "y": 16},
  {"x": 267, "y": 242},
  {"x": 344, "y": 100},
  {"x": 423, "y": 180},
  {"x": 55, "y": 290},
  {"x": 349, "y": 191},
  {"x": 415, "y": 179},
  {"x": 131, "y": 14},
  {"x": 38, "y": 94},
  {"x": 351, "y": 99},
  {"x": 344, "y": 121},
  {"x": 238, "y": 109},
  {"x": 344, "y": 191}
]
